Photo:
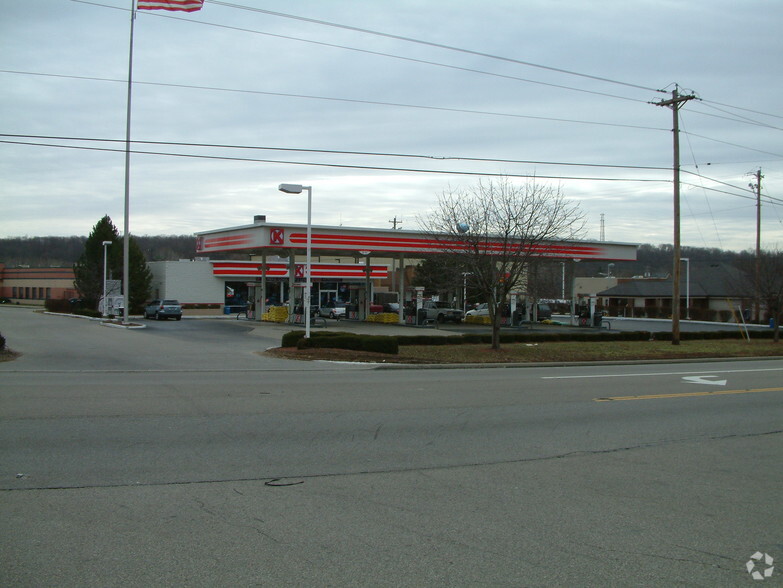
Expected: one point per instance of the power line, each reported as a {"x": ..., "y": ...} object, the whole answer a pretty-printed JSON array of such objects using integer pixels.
[
  {"x": 769, "y": 199},
  {"x": 741, "y": 118},
  {"x": 325, "y": 23},
  {"x": 342, "y": 152},
  {"x": 772, "y": 201},
  {"x": 706, "y": 200},
  {"x": 436, "y": 45},
  {"x": 741, "y": 108},
  {"x": 333, "y": 99},
  {"x": 734, "y": 144},
  {"x": 736, "y": 118},
  {"x": 390, "y": 55},
  {"x": 338, "y": 152},
  {"x": 332, "y": 165},
  {"x": 412, "y": 40}
]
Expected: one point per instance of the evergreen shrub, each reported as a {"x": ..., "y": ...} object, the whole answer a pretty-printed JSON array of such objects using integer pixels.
[
  {"x": 58, "y": 305},
  {"x": 376, "y": 343}
]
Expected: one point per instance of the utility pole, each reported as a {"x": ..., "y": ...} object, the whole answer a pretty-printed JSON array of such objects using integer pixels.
[
  {"x": 757, "y": 280},
  {"x": 675, "y": 103},
  {"x": 395, "y": 222}
]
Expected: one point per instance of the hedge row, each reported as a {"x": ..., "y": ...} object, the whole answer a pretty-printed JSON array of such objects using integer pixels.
[
  {"x": 87, "y": 312},
  {"x": 734, "y": 334},
  {"x": 522, "y": 337},
  {"x": 341, "y": 340},
  {"x": 387, "y": 344}
]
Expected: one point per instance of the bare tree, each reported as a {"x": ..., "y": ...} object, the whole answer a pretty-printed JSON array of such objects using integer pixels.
[
  {"x": 497, "y": 229},
  {"x": 771, "y": 286}
]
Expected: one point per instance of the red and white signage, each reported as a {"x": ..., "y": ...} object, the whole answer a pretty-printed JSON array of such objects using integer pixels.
[
  {"x": 247, "y": 269},
  {"x": 387, "y": 242}
]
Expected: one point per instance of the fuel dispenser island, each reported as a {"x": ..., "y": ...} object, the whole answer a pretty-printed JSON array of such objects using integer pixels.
[{"x": 586, "y": 313}]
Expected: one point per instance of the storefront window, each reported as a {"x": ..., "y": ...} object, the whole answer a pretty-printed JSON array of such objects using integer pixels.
[{"x": 236, "y": 294}]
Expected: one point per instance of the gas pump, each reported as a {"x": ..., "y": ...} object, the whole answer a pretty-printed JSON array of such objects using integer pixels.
[
  {"x": 586, "y": 313},
  {"x": 362, "y": 304},
  {"x": 419, "y": 303}
]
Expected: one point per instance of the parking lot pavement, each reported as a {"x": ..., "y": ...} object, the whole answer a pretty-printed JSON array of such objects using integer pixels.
[
  {"x": 562, "y": 323},
  {"x": 665, "y": 325},
  {"x": 363, "y": 327}
]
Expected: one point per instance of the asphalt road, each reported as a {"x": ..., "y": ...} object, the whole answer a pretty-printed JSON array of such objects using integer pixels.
[{"x": 177, "y": 455}]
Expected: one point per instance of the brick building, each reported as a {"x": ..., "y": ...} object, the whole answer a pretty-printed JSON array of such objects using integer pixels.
[{"x": 33, "y": 285}]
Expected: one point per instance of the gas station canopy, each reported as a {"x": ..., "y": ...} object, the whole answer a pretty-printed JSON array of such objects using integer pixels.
[{"x": 262, "y": 237}]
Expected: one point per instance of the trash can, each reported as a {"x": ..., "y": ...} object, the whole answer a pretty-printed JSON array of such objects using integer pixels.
[
  {"x": 597, "y": 318},
  {"x": 421, "y": 316}
]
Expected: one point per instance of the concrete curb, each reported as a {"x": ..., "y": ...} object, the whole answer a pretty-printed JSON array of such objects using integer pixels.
[
  {"x": 102, "y": 321},
  {"x": 557, "y": 364}
]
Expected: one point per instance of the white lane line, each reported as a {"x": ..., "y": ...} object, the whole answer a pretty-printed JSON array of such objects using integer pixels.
[{"x": 706, "y": 371}]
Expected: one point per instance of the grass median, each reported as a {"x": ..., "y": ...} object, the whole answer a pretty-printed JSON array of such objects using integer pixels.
[{"x": 545, "y": 352}]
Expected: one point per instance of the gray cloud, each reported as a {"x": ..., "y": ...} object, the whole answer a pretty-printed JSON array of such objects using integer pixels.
[{"x": 728, "y": 52}]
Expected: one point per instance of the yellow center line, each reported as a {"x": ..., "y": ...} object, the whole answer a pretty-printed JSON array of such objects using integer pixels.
[{"x": 687, "y": 394}]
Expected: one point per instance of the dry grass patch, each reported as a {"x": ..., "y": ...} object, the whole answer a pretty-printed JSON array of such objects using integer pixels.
[{"x": 564, "y": 351}]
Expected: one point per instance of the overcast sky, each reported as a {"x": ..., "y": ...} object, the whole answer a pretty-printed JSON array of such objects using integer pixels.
[{"x": 301, "y": 92}]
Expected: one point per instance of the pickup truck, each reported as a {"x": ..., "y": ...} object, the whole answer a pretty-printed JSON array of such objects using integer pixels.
[{"x": 440, "y": 311}]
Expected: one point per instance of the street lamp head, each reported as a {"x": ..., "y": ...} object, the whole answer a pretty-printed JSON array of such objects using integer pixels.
[
  {"x": 106, "y": 243},
  {"x": 463, "y": 227},
  {"x": 291, "y": 188}
]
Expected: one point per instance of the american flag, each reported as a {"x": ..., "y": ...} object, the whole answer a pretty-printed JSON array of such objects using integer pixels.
[{"x": 184, "y": 5}]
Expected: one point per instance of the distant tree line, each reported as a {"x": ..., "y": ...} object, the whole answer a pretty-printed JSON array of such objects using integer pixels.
[
  {"x": 656, "y": 260},
  {"x": 65, "y": 251},
  {"x": 438, "y": 274}
]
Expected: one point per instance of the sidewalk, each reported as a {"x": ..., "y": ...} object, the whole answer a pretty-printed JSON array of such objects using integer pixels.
[{"x": 450, "y": 329}]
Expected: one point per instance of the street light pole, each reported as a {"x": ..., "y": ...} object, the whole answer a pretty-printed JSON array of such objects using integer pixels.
[
  {"x": 105, "y": 246},
  {"x": 687, "y": 287},
  {"x": 465, "y": 292},
  {"x": 297, "y": 189},
  {"x": 573, "y": 291}
]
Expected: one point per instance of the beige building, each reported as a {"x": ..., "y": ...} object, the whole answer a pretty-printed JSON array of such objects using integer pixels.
[{"x": 33, "y": 285}]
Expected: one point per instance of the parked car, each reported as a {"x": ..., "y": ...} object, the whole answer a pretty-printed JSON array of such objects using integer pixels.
[
  {"x": 439, "y": 311},
  {"x": 481, "y": 310},
  {"x": 544, "y": 312},
  {"x": 163, "y": 309},
  {"x": 333, "y": 309}
]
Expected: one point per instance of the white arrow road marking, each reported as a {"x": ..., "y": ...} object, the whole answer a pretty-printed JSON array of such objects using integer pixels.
[{"x": 704, "y": 380}]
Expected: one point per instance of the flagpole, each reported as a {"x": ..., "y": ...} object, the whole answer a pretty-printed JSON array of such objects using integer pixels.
[{"x": 126, "y": 227}]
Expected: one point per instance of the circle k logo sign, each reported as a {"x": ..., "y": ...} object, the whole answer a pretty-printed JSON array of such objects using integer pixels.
[{"x": 760, "y": 566}]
